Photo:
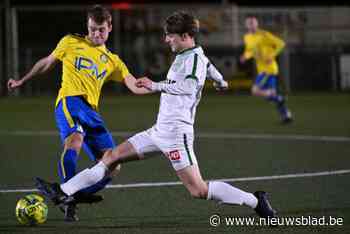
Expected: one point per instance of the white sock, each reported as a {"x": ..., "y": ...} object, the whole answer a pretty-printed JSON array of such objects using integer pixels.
[
  {"x": 85, "y": 178},
  {"x": 225, "y": 193}
]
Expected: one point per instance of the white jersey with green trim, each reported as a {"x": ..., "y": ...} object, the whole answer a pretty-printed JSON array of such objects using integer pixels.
[{"x": 181, "y": 91}]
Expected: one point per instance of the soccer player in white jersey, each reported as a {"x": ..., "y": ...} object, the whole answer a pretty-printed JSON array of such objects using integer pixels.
[{"x": 173, "y": 133}]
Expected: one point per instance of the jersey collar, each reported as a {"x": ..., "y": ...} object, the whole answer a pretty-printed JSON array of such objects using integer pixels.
[{"x": 188, "y": 49}]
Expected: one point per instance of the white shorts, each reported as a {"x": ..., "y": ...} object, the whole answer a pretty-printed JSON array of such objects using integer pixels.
[{"x": 178, "y": 148}]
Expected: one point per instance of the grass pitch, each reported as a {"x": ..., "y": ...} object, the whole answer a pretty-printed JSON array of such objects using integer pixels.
[{"x": 28, "y": 149}]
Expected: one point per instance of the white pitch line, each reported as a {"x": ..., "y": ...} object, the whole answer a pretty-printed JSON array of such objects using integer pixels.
[
  {"x": 206, "y": 135},
  {"x": 175, "y": 183},
  {"x": 274, "y": 137}
]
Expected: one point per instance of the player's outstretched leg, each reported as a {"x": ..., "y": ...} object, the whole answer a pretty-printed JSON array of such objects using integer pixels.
[
  {"x": 224, "y": 193},
  {"x": 67, "y": 204},
  {"x": 53, "y": 192},
  {"x": 227, "y": 194}
]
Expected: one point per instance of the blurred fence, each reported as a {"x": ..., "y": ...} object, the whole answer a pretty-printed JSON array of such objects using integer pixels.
[{"x": 316, "y": 56}]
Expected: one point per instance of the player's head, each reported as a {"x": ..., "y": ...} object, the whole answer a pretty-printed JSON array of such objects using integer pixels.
[
  {"x": 180, "y": 30},
  {"x": 251, "y": 23},
  {"x": 99, "y": 23}
]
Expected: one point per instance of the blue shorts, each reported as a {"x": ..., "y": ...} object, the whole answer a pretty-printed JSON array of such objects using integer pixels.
[
  {"x": 74, "y": 114},
  {"x": 264, "y": 81}
]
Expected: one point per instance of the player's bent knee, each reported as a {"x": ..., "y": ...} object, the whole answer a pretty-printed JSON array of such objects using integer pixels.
[
  {"x": 255, "y": 91},
  {"x": 113, "y": 167},
  {"x": 108, "y": 158},
  {"x": 121, "y": 154},
  {"x": 201, "y": 193},
  {"x": 111, "y": 159},
  {"x": 74, "y": 141}
]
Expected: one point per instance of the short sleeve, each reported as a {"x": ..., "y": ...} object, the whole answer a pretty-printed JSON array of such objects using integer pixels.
[
  {"x": 61, "y": 48},
  {"x": 120, "y": 71}
]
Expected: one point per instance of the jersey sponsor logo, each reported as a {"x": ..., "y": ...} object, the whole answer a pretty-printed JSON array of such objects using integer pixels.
[
  {"x": 104, "y": 58},
  {"x": 168, "y": 81},
  {"x": 174, "y": 155},
  {"x": 85, "y": 63}
]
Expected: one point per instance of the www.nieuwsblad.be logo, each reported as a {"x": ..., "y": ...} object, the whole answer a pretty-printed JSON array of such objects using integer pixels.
[{"x": 216, "y": 220}]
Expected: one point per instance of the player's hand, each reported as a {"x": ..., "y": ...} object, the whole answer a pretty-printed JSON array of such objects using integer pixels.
[
  {"x": 242, "y": 59},
  {"x": 13, "y": 84},
  {"x": 220, "y": 86},
  {"x": 144, "y": 82},
  {"x": 269, "y": 60}
]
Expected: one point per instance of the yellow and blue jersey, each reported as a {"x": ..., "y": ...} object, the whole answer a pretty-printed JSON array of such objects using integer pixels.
[
  {"x": 86, "y": 68},
  {"x": 263, "y": 46}
]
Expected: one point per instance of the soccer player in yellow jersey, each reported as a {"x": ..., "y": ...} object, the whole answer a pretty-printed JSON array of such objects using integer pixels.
[
  {"x": 264, "y": 47},
  {"x": 87, "y": 65}
]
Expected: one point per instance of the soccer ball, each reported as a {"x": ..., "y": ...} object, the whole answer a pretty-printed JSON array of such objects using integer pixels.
[{"x": 31, "y": 210}]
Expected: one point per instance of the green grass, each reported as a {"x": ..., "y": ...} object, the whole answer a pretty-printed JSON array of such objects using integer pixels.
[{"x": 170, "y": 209}]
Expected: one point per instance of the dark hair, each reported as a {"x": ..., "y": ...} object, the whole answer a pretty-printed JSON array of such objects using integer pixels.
[
  {"x": 99, "y": 14},
  {"x": 181, "y": 22},
  {"x": 251, "y": 16}
]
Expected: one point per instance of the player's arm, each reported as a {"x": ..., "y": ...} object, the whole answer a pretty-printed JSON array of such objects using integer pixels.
[
  {"x": 248, "y": 50},
  {"x": 216, "y": 76},
  {"x": 121, "y": 74},
  {"x": 194, "y": 67},
  {"x": 130, "y": 82},
  {"x": 185, "y": 87},
  {"x": 278, "y": 43},
  {"x": 41, "y": 67}
]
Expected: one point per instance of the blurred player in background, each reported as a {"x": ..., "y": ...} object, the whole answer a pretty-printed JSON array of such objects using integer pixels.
[
  {"x": 264, "y": 47},
  {"x": 173, "y": 132},
  {"x": 87, "y": 64}
]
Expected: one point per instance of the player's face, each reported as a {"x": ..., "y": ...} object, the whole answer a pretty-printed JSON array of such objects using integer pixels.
[
  {"x": 251, "y": 23},
  {"x": 175, "y": 41},
  {"x": 98, "y": 33}
]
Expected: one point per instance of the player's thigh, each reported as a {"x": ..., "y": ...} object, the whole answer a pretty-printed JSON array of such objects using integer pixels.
[
  {"x": 260, "y": 80},
  {"x": 122, "y": 153},
  {"x": 272, "y": 82},
  {"x": 136, "y": 147},
  {"x": 74, "y": 141},
  {"x": 70, "y": 130},
  {"x": 264, "y": 81},
  {"x": 178, "y": 149},
  {"x": 97, "y": 141},
  {"x": 144, "y": 144},
  {"x": 97, "y": 138}
]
